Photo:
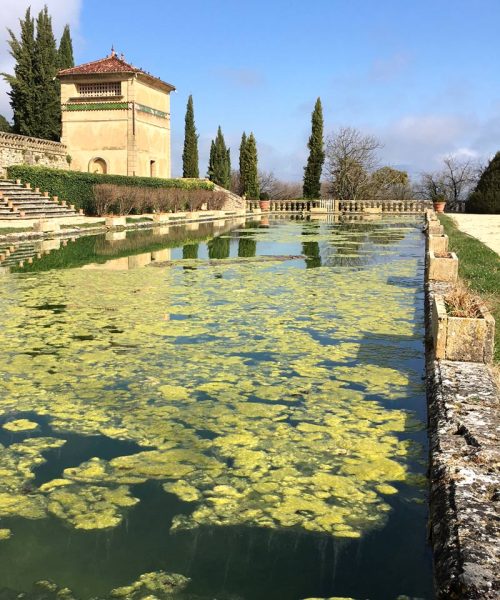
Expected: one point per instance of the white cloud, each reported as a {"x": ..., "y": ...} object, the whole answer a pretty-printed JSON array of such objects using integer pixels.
[
  {"x": 420, "y": 142},
  {"x": 62, "y": 12}
]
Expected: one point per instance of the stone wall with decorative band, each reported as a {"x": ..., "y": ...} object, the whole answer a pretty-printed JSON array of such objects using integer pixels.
[{"x": 22, "y": 150}]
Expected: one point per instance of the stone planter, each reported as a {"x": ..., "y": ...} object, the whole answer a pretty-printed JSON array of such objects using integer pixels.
[
  {"x": 437, "y": 243},
  {"x": 160, "y": 218},
  {"x": 264, "y": 205},
  {"x": 435, "y": 228},
  {"x": 460, "y": 338},
  {"x": 113, "y": 221},
  {"x": 442, "y": 268},
  {"x": 46, "y": 226}
]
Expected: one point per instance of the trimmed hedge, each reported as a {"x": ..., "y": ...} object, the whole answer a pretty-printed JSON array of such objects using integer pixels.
[{"x": 77, "y": 187}]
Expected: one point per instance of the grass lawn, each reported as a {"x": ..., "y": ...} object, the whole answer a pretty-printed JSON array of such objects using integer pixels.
[{"x": 479, "y": 267}]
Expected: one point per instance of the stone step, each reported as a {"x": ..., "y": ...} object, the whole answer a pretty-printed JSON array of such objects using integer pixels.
[{"x": 32, "y": 203}]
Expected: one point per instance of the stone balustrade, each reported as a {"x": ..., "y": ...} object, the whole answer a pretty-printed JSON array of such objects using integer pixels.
[{"x": 330, "y": 205}]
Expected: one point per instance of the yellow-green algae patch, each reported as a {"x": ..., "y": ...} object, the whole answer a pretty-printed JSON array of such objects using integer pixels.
[
  {"x": 90, "y": 507},
  {"x": 245, "y": 406},
  {"x": 159, "y": 582},
  {"x": 20, "y": 425},
  {"x": 5, "y": 534}
]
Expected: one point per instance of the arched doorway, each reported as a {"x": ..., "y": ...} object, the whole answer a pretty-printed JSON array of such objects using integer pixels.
[{"x": 98, "y": 165}]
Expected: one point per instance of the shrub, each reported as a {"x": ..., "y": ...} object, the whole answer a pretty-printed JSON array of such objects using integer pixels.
[
  {"x": 486, "y": 197},
  {"x": 125, "y": 200},
  {"x": 78, "y": 187}
]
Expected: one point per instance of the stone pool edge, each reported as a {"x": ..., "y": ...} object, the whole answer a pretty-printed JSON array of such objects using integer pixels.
[{"x": 463, "y": 421}]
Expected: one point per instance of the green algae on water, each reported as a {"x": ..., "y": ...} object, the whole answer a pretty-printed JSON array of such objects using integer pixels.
[{"x": 245, "y": 384}]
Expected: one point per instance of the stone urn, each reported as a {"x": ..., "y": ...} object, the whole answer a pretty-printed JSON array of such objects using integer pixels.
[
  {"x": 439, "y": 204},
  {"x": 264, "y": 202}
]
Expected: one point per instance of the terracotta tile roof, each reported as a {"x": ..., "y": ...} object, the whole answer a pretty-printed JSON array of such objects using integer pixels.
[{"x": 109, "y": 64}]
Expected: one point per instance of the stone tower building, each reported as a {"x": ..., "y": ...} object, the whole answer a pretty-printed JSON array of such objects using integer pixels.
[{"x": 116, "y": 118}]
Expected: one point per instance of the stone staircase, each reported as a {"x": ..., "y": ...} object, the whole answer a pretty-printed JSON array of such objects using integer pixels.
[{"x": 19, "y": 201}]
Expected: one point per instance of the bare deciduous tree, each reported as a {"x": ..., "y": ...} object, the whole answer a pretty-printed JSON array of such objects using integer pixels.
[
  {"x": 454, "y": 181},
  {"x": 276, "y": 189},
  {"x": 350, "y": 159}
]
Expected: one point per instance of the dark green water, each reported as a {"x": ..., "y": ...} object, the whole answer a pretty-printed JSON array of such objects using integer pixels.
[{"x": 246, "y": 410}]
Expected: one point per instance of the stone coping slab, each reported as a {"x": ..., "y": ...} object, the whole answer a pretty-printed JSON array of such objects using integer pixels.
[{"x": 464, "y": 424}]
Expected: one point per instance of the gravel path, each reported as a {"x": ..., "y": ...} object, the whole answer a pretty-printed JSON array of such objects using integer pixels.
[{"x": 485, "y": 228}]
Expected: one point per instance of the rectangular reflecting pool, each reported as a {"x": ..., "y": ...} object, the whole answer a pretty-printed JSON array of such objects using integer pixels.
[{"x": 230, "y": 411}]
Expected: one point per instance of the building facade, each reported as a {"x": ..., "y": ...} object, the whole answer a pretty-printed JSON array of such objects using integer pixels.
[{"x": 116, "y": 119}]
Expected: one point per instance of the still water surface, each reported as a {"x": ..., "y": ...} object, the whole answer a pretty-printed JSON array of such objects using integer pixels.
[{"x": 245, "y": 411}]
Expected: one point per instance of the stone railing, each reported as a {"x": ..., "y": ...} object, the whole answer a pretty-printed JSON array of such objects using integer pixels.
[
  {"x": 22, "y": 150},
  {"x": 286, "y": 205},
  {"x": 330, "y": 205},
  {"x": 384, "y": 206}
]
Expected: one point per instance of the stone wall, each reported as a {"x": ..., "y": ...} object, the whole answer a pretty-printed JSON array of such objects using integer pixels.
[
  {"x": 19, "y": 149},
  {"x": 463, "y": 402},
  {"x": 233, "y": 201}
]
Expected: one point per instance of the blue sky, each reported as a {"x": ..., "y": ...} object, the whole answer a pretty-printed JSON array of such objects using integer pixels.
[{"x": 421, "y": 75}]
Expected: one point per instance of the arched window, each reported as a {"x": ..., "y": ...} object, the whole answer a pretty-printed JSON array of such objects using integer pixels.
[{"x": 98, "y": 165}]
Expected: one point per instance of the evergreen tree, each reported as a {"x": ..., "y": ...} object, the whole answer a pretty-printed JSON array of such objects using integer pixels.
[
  {"x": 47, "y": 88},
  {"x": 22, "y": 83},
  {"x": 251, "y": 189},
  {"x": 486, "y": 197},
  {"x": 312, "y": 171},
  {"x": 65, "y": 58},
  {"x": 243, "y": 146},
  {"x": 247, "y": 247},
  {"x": 219, "y": 166},
  {"x": 190, "y": 153},
  {"x": 5, "y": 125},
  {"x": 190, "y": 251},
  {"x": 218, "y": 247}
]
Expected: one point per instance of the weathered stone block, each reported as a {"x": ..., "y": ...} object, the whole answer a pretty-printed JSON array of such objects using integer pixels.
[
  {"x": 116, "y": 221},
  {"x": 162, "y": 255},
  {"x": 437, "y": 243},
  {"x": 435, "y": 228},
  {"x": 461, "y": 338},
  {"x": 441, "y": 268},
  {"x": 45, "y": 225},
  {"x": 115, "y": 236},
  {"x": 160, "y": 217},
  {"x": 139, "y": 260},
  {"x": 46, "y": 246},
  {"x": 162, "y": 230}
]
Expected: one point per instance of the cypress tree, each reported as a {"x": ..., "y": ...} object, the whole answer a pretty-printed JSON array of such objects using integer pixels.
[
  {"x": 247, "y": 247},
  {"x": 5, "y": 125},
  {"x": 47, "y": 92},
  {"x": 190, "y": 251},
  {"x": 219, "y": 166},
  {"x": 219, "y": 247},
  {"x": 65, "y": 58},
  {"x": 251, "y": 189},
  {"x": 22, "y": 83},
  {"x": 243, "y": 146},
  {"x": 312, "y": 171},
  {"x": 190, "y": 153},
  {"x": 485, "y": 199}
]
